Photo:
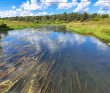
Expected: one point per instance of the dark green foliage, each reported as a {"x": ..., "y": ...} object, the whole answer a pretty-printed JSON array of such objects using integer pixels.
[
  {"x": 48, "y": 19},
  {"x": 2, "y": 24},
  {"x": 105, "y": 16},
  {"x": 84, "y": 17}
]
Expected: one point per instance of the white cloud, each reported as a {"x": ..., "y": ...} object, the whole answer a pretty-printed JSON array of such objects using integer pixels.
[
  {"x": 83, "y": 6},
  {"x": 13, "y": 13},
  {"x": 51, "y": 14},
  {"x": 62, "y": 4},
  {"x": 33, "y": 5},
  {"x": 67, "y": 5},
  {"x": 43, "y": 13},
  {"x": 13, "y": 7},
  {"x": 26, "y": 13},
  {"x": 52, "y": 2},
  {"x": 19, "y": 9},
  {"x": 104, "y": 6}
]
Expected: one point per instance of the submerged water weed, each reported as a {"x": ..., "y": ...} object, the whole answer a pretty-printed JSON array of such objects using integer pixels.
[{"x": 56, "y": 64}]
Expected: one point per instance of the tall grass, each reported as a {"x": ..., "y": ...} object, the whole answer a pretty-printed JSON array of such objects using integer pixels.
[
  {"x": 101, "y": 29},
  {"x": 16, "y": 25}
]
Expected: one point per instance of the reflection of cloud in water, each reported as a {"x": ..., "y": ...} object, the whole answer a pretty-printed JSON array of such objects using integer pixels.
[
  {"x": 99, "y": 43},
  {"x": 80, "y": 39},
  {"x": 53, "y": 44}
]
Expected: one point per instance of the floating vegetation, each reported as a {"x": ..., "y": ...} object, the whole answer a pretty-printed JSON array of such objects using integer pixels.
[
  {"x": 47, "y": 32},
  {"x": 109, "y": 44}
]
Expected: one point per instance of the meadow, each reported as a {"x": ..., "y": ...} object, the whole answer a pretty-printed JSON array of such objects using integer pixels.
[
  {"x": 11, "y": 25},
  {"x": 100, "y": 29}
]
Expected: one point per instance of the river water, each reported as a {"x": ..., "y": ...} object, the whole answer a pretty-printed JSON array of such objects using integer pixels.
[{"x": 50, "y": 59}]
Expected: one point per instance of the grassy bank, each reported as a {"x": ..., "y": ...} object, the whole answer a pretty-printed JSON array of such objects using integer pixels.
[
  {"x": 11, "y": 25},
  {"x": 17, "y": 25},
  {"x": 100, "y": 29}
]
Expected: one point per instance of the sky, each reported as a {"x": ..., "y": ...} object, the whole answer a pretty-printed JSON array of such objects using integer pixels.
[{"x": 12, "y": 8}]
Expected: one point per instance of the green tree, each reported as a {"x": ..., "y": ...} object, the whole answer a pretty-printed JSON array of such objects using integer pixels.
[
  {"x": 65, "y": 16},
  {"x": 105, "y": 16}
]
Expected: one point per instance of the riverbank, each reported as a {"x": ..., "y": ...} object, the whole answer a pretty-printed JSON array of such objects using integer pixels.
[
  {"x": 100, "y": 29},
  {"x": 11, "y": 25}
]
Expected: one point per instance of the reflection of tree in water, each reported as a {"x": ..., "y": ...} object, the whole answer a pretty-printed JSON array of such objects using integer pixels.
[
  {"x": 55, "y": 28},
  {"x": 4, "y": 34}
]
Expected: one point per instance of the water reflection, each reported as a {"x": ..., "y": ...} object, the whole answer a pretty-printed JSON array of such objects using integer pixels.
[
  {"x": 1, "y": 50},
  {"x": 2, "y": 36},
  {"x": 52, "y": 60},
  {"x": 54, "y": 41},
  {"x": 100, "y": 44}
]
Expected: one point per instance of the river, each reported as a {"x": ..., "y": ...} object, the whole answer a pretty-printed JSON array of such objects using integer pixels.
[{"x": 51, "y": 59}]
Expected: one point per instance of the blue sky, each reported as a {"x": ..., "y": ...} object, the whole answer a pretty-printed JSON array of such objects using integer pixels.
[{"x": 10, "y": 8}]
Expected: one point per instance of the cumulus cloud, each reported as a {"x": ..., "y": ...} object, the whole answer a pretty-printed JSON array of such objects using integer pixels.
[
  {"x": 20, "y": 12},
  {"x": 51, "y": 14},
  {"x": 33, "y": 5},
  {"x": 61, "y": 4},
  {"x": 104, "y": 6},
  {"x": 83, "y": 6},
  {"x": 43, "y": 13},
  {"x": 13, "y": 7},
  {"x": 13, "y": 13},
  {"x": 67, "y": 5},
  {"x": 19, "y": 9},
  {"x": 52, "y": 2}
]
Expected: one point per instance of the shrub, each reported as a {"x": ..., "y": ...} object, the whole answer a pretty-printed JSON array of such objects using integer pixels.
[
  {"x": 96, "y": 19},
  {"x": 105, "y": 16},
  {"x": 2, "y": 24}
]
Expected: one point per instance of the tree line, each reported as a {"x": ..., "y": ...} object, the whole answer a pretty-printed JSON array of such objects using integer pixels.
[{"x": 59, "y": 18}]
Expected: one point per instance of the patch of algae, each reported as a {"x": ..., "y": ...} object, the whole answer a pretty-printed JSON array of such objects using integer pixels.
[{"x": 7, "y": 85}]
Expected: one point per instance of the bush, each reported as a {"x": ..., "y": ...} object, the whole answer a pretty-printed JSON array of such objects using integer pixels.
[
  {"x": 37, "y": 21},
  {"x": 2, "y": 24},
  {"x": 105, "y": 16},
  {"x": 96, "y": 19}
]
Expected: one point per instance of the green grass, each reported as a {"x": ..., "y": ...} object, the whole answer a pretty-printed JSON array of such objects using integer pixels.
[
  {"x": 11, "y": 25},
  {"x": 17, "y": 25},
  {"x": 100, "y": 29}
]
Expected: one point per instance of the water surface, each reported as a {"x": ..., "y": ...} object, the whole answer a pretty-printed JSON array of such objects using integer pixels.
[{"x": 50, "y": 59}]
